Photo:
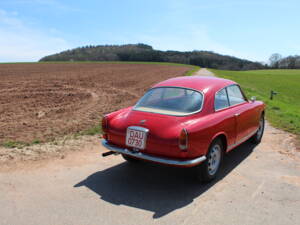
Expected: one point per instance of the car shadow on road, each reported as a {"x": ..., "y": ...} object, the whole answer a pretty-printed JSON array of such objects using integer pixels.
[{"x": 156, "y": 188}]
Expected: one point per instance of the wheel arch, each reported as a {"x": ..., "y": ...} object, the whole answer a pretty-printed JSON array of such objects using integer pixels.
[{"x": 223, "y": 137}]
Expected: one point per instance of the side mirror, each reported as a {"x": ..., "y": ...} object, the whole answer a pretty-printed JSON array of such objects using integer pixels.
[{"x": 253, "y": 99}]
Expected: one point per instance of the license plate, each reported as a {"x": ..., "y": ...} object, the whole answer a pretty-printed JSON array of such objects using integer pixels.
[{"x": 136, "y": 138}]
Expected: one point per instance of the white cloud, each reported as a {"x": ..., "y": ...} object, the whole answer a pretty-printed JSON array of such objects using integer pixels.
[{"x": 19, "y": 42}]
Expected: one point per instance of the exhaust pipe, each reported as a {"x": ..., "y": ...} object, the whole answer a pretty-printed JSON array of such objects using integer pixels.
[{"x": 108, "y": 153}]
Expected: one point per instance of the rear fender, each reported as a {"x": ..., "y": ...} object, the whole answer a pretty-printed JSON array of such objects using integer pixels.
[
  {"x": 218, "y": 135},
  {"x": 113, "y": 114}
]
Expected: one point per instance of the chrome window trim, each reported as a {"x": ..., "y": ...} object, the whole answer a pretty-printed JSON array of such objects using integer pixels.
[
  {"x": 227, "y": 99},
  {"x": 187, "y": 114},
  {"x": 245, "y": 99},
  {"x": 230, "y": 106}
]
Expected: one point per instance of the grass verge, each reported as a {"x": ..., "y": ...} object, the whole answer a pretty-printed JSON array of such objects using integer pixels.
[
  {"x": 97, "y": 129},
  {"x": 19, "y": 144}
]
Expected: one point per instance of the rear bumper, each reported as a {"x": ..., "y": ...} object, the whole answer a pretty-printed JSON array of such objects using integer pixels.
[{"x": 161, "y": 160}]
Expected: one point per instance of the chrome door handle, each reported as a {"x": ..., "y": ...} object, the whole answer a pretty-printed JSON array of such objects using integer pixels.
[{"x": 237, "y": 114}]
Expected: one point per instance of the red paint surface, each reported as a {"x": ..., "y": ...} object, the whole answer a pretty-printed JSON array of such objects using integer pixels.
[{"x": 202, "y": 127}]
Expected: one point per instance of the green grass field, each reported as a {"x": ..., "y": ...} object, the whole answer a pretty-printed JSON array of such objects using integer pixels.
[{"x": 284, "y": 110}]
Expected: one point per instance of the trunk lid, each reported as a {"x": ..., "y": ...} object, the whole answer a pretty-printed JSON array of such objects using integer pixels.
[{"x": 162, "y": 139}]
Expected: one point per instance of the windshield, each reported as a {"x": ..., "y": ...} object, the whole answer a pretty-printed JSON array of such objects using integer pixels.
[{"x": 175, "y": 101}]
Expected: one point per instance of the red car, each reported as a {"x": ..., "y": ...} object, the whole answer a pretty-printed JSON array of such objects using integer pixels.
[{"x": 186, "y": 121}]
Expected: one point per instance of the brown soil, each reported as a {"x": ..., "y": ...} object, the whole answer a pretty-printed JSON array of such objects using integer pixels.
[{"x": 45, "y": 101}]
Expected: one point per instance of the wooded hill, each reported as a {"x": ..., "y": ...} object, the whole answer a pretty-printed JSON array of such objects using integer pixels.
[{"x": 143, "y": 52}]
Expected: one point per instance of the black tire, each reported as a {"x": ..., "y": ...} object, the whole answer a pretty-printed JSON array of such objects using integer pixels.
[
  {"x": 130, "y": 159},
  {"x": 204, "y": 172},
  {"x": 256, "y": 139}
]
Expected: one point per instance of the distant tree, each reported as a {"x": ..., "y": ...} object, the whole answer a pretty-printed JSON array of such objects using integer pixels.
[
  {"x": 297, "y": 63},
  {"x": 291, "y": 62},
  {"x": 274, "y": 60}
]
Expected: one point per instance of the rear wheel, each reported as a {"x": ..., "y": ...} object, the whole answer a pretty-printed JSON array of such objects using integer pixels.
[
  {"x": 130, "y": 159},
  {"x": 256, "y": 139},
  {"x": 209, "y": 169}
]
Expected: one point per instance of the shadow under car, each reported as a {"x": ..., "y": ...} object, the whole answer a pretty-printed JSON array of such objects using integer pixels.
[{"x": 157, "y": 188}]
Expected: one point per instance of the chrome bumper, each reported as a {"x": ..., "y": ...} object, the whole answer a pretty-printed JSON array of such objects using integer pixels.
[{"x": 139, "y": 155}]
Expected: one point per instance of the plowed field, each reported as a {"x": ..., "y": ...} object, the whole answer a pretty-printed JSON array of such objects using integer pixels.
[{"x": 44, "y": 101}]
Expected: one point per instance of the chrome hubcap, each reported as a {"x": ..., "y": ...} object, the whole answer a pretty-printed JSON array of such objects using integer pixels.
[
  {"x": 260, "y": 129},
  {"x": 214, "y": 159}
]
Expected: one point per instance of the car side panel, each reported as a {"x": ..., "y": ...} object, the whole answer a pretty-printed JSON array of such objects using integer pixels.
[
  {"x": 244, "y": 119},
  {"x": 202, "y": 134},
  {"x": 247, "y": 120},
  {"x": 258, "y": 108},
  {"x": 224, "y": 122}
]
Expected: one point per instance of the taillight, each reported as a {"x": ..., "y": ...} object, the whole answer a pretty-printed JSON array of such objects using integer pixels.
[
  {"x": 183, "y": 139},
  {"x": 104, "y": 127}
]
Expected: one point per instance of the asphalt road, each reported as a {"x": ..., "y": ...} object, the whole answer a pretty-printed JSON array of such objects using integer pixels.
[{"x": 258, "y": 185}]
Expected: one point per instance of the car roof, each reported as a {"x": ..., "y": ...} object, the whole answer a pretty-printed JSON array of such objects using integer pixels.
[{"x": 200, "y": 83}]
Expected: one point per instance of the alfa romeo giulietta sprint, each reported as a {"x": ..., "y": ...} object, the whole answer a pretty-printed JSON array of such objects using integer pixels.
[{"x": 189, "y": 121}]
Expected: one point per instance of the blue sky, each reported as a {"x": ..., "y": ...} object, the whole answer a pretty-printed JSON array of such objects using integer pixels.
[{"x": 31, "y": 29}]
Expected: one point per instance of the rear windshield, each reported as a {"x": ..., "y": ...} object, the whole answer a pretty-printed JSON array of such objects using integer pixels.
[{"x": 171, "y": 100}]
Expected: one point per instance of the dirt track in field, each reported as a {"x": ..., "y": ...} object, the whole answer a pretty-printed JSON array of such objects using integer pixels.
[{"x": 39, "y": 102}]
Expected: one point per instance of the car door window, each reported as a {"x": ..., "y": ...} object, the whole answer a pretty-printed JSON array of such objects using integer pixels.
[
  {"x": 235, "y": 95},
  {"x": 221, "y": 100}
]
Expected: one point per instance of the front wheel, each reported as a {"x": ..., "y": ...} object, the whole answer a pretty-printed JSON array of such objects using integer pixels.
[
  {"x": 209, "y": 169},
  {"x": 256, "y": 139}
]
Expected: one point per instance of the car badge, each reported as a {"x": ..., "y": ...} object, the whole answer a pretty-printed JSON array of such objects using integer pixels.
[{"x": 143, "y": 122}]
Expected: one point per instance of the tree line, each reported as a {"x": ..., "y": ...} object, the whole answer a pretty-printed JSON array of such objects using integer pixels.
[
  {"x": 143, "y": 52},
  {"x": 289, "y": 62}
]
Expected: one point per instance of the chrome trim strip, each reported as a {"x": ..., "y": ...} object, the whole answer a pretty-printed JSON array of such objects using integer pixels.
[
  {"x": 162, "y": 160},
  {"x": 242, "y": 140},
  {"x": 216, "y": 110},
  {"x": 187, "y": 114}
]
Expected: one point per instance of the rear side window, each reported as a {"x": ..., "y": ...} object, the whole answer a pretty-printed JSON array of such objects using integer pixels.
[
  {"x": 221, "y": 100},
  {"x": 235, "y": 95}
]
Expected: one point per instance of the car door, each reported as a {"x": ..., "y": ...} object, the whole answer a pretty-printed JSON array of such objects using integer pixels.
[
  {"x": 224, "y": 111},
  {"x": 242, "y": 112}
]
